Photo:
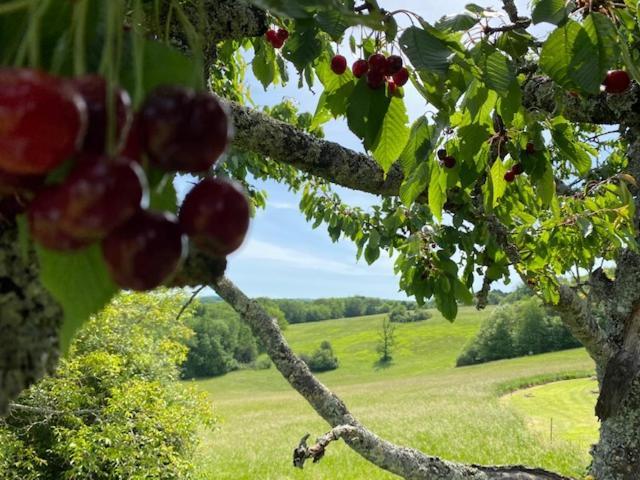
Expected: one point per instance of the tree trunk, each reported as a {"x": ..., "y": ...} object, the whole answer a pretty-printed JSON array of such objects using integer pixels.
[{"x": 617, "y": 454}]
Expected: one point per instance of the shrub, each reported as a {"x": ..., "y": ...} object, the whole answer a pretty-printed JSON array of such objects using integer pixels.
[
  {"x": 400, "y": 314},
  {"x": 322, "y": 359}
]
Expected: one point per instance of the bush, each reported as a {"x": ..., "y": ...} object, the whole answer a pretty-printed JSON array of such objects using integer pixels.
[
  {"x": 322, "y": 359},
  {"x": 113, "y": 409},
  {"x": 517, "y": 328},
  {"x": 401, "y": 315}
]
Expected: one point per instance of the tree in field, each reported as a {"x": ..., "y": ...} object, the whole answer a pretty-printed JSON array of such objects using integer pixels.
[
  {"x": 527, "y": 157},
  {"x": 386, "y": 340}
]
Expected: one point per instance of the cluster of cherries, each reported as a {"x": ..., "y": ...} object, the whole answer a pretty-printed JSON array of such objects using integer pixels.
[
  {"x": 277, "y": 37},
  {"x": 518, "y": 168},
  {"x": 447, "y": 161},
  {"x": 54, "y": 165},
  {"x": 377, "y": 70}
]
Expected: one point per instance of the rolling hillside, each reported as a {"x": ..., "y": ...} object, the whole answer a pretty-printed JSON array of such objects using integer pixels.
[{"x": 419, "y": 400}]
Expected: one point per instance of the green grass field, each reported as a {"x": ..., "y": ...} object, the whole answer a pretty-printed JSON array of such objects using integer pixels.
[{"x": 420, "y": 400}]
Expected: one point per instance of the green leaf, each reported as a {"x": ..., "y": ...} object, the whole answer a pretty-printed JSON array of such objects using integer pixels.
[
  {"x": 81, "y": 284},
  {"x": 393, "y": 135},
  {"x": 457, "y": 23},
  {"x": 425, "y": 50},
  {"x": 263, "y": 64},
  {"x": 333, "y": 23},
  {"x": 498, "y": 72},
  {"x": 446, "y": 302},
  {"x": 565, "y": 141},
  {"x": 603, "y": 34},
  {"x": 572, "y": 59},
  {"x": 415, "y": 184},
  {"x": 163, "y": 196},
  {"x": 366, "y": 110},
  {"x": 546, "y": 187},
  {"x": 515, "y": 43},
  {"x": 498, "y": 183},
  {"x": 437, "y": 194},
  {"x": 303, "y": 46},
  {"x": 551, "y": 11}
]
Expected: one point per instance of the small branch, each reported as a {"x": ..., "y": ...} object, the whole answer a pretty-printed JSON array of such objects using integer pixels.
[
  {"x": 519, "y": 25},
  {"x": 190, "y": 301},
  {"x": 17, "y": 407},
  {"x": 509, "y": 6},
  {"x": 482, "y": 297}
]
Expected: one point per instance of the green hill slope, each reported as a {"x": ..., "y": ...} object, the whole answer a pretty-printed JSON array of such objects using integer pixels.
[{"x": 420, "y": 400}]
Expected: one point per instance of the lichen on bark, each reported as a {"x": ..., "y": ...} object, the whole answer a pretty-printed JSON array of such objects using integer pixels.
[{"x": 29, "y": 319}]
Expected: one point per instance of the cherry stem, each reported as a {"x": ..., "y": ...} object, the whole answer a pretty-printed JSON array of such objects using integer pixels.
[{"x": 79, "y": 32}]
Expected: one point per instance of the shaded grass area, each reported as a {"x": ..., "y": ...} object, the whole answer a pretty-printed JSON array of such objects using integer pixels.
[{"x": 420, "y": 399}]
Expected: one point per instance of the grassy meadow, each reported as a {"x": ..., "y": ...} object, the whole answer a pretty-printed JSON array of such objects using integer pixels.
[{"x": 420, "y": 400}]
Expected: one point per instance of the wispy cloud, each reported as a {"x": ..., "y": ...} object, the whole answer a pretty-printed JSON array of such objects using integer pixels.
[{"x": 258, "y": 250}]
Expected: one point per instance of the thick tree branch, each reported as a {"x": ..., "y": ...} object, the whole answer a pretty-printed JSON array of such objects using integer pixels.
[
  {"x": 406, "y": 462},
  {"x": 284, "y": 143}
]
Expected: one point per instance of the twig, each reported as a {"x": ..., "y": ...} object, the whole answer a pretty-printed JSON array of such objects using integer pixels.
[{"x": 190, "y": 301}]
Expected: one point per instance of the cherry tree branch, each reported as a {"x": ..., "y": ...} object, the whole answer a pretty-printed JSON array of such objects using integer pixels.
[{"x": 406, "y": 462}]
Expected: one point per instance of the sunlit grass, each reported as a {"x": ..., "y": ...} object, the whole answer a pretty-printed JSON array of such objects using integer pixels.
[{"x": 420, "y": 400}]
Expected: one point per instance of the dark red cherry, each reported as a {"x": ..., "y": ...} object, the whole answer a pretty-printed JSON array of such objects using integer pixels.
[
  {"x": 392, "y": 88},
  {"x": 378, "y": 63},
  {"x": 360, "y": 68},
  {"x": 401, "y": 77},
  {"x": 283, "y": 34},
  {"x": 531, "y": 148},
  {"x": 100, "y": 194},
  {"x": 144, "y": 252},
  {"x": 375, "y": 79},
  {"x": 132, "y": 147},
  {"x": 394, "y": 65},
  {"x": 339, "y": 64},
  {"x": 183, "y": 131},
  {"x": 449, "y": 161},
  {"x": 617, "y": 81},
  {"x": 11, "y": 183},
  {"x": 42, "y": 121},
  {"x": 44, "y": 216},
  {"x": 518, "y": 169},
  {"x": 93, "y": 89},
  {"x": 271, "y": 36},
  {"x": 442, "y": 153},
  {"x": 215, "y": 215},
  {"x": 510, "y": 176}
]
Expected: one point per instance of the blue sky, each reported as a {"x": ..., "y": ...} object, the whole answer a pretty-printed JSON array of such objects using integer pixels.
[{"x": 283, "y": 256}]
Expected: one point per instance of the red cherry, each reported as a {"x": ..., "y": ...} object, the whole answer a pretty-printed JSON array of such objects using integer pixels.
[
  {"x": 19, "y": 184},
  {"x": 101, "y": 194},
  {"x": 531, "y": 148},
  {"x": 617, "y": 81},
  {"x": 277, "y": 42},
  {"x": 394, "y": 64},
  {"x": 183, "y": 131},
  {"x": 271, "y": 36},
  {"x": 378, "y": 63},
  {"x": 360, "y": 68},
  {"x": 392, "y": 88},
  {"x": 146, "y": 251},
  {"x": 133, "y": 148},
  {"x": 44, "y": 215},
  {"x": 449, "y": 161},
  {"x": 42, "y": 121},
  {"x": 401, "y": 77},
  {"x": 375, "y": 79},
  {"x": 442, "y": 153},
  {"x": 215, "y": 215},
  {"x": 93, "y": 89},
  {"x": 338, "y": 64},
  {"x": 518, "y": 169},
  {"x": 283, "y": 34},
  {"x": 510, "y": 176}
]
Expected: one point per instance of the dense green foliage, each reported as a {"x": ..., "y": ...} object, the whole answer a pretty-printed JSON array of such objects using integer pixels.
[
  {"x": 400, "y": 314},
  {"x": 515, "y": 329},
  {"x": 322, "y": 360},
  {"x": 113, "y": 410},
  {"x": 420, "y": 399}
]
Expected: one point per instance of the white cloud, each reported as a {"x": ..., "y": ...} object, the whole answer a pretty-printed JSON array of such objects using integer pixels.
[{"x": 258, "y": 250}]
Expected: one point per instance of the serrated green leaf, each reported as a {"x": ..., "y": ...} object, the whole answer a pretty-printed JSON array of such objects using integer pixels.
[
  {"x": 415, "y": 184},
  {"x": 425, "y": 50},
  {"x": 366, "y": 110},
  {"x": 333, "y": 23},
  {"x": 437, "y": 195},
  {"x": 263, "y": 64},
  {"x": 551, "y": 11},
  {"x": 445, "y": 302},
  {"x": 393, "y": 135},
  {"x": 418, "y": 147},
  {"x": 564, "y": 139},
  {"x": 498, "y": 72},
  {"x": 571, "y": 58},
  {"x": 515, "y": 43},
  {"x": 498, "y": 183},
  {"x": 303, "y": 46},
  {"x": 546, "y": 187},
  {"x": 603, "y": 34},
  {"x": 80, "y": 282},
  {"x": 457, "y": 23}
]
